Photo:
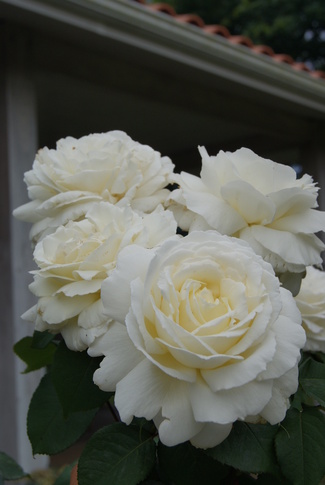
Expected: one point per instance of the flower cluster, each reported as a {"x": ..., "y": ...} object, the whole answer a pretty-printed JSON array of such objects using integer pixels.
[{"x": 195, "y": 331}]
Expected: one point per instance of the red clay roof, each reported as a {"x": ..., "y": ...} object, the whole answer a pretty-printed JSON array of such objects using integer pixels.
[{"x": 235, "y": 39}]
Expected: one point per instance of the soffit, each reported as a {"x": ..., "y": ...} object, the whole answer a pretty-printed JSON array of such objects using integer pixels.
[{"x": 168, "y": 44}]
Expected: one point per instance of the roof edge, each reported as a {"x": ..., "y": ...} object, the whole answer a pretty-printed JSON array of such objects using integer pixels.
[{"x": 130, "y": 23}]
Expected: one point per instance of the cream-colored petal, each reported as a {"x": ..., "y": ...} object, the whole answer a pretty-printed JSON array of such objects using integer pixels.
[
  {"x": 178, "y": 424},
  {"x": 115, "y": 292},
  {"x": 253, "y": 206},
  {"x": 243, "y": 371},
  {"x": 121, "y": 357},
  {"x": 212, "y": 434},
  {"x": 224, "y": 407},
  {"x": 141, "y": 392}
]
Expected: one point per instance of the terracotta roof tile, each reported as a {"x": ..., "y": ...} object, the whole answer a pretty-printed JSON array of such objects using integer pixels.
[
  {"x": 318, "y": 74},
  {"x": 222, "y": 31},
  {"x": 241, "y": 40},
  {"x": 283, "y": 58},
  {"x": 192, "y": 19},
  {"x": 263, "y": 49},
  {"x": 300, "y": 66},
  {"x": 217, "y": 30},
  {"x": 160, "y": 7}
]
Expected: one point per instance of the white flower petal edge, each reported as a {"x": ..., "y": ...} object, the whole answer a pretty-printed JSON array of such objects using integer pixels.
[
  {"x": 209, "y": 338},
  {"x": 252, "y": 198},
  {"x": 311, "y": 303}
]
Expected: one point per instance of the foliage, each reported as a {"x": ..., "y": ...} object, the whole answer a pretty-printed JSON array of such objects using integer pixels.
[
  {"x": 292, "y": 453},
  {"x": 296, "y": 28},
  {"x": 9, "y": 469}
]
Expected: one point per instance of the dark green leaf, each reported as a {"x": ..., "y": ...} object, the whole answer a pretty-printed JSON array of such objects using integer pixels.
[
  {"x": 72, "y": 374},
  {"x": 48, "y": 431},
  {"x": 186, "y": 464},
  {"x": 271, "y": 480},
  {"x": 117, "y": 454},
  {"x": 9, "y": 469},
  {"x": 42, "y": 339},
  {"x": 34, "y": 358},
  {"x": 151, "y": 482},
  {"x": 300, "y": 446},
  {"x": 300, "y": 398},
  {"x": 320, "y": 356},
  {"x": 312, "y": 380},
  {"x": 249, "y": 448}
]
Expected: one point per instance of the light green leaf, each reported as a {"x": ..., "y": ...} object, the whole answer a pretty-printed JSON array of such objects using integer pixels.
[
  {"x": 186, "y": 464},
  {"x": 300, "y": 446},
  {"x": 9, "y": 468},
  {"x": 72, "y": 375},
  {"x": 48, "y": 431},
  {"x": 117, "y": 454},
  {"x": 249, "y": 448},
  {"x": 35, "y": 358}
]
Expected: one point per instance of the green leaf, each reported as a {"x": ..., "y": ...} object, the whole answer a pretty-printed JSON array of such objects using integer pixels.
[
  {"x": 9, "y": 468},
  {"x": 320, "y": 356},
  {"x": 270, "y": 480},
  {"x": 186, "y": 464},
  {"x": 300, "y": 398},
  {"x": 72, "y": 374},
  {"x": 300, "y": 446},
  {"x": 48, "y": 431},
  {"x": 152, "y": 482},
  {"x": 34, "y": 358},
  {"x": 312, "y": 380},
  {"x": 249, "y": 448},
  {"x": 42, "y": 339},
  {"x": 117, "y": 454}
]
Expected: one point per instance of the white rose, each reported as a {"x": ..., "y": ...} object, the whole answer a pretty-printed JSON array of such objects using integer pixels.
[
  {"x": 311, "y": 303},
  {"x": 64, "y": 183},
  {"x": 74, "y": 261},
  {"x": 243, "y": 195},
  {"x": 202, "y": 335}
]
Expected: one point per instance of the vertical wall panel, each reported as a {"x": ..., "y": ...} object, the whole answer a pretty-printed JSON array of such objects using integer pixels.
[{"x": 18, "y": 148}]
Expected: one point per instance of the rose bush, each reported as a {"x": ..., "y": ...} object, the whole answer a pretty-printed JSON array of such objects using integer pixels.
[
  {"x": 64, "y": 183},
  {"x": 196, "y": 334},
  {"x": 311, "y": 303},
  {"x": 76, "y": 258},
  {"x": 257, "y": 200},
  {"x": 202, "y": 335}
]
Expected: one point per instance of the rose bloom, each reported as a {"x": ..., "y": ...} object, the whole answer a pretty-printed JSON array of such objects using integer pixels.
[
  {"x": 246, "y": 196},
  {"x": 74, "y": 261},
  {"x": 202, "y": 335},
  {"x": 311, "y": 303},
  {"x": 64, "y": 183}
]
